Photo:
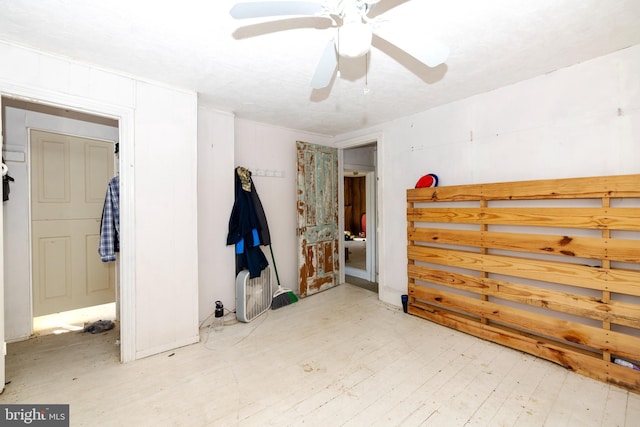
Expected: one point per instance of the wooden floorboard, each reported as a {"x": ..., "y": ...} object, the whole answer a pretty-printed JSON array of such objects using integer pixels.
[{"x": 338, "y": 358}]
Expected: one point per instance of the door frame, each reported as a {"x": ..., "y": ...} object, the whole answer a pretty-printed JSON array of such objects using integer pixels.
[
  {"x": 369, "y": 272},
  {"x": 4, "y": 344},
  {"x": 125, "y": 117},
  {"x": 376, "y": 229}
]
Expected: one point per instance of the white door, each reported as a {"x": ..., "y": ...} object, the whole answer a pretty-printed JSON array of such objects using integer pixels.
[{"x": 69, "y": 177}]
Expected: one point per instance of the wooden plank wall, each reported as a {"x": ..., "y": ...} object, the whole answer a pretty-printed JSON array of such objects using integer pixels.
[{"x": 549, "y": 267}]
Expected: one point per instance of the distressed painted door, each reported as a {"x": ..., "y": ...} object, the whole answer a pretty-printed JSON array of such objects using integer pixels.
[
  {"x": 69, "y": 177},
  {"x": 317, "y": 205}
]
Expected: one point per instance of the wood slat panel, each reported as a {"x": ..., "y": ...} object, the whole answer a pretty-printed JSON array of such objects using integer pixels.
[
  {"x": 582, "y": 362},
  {"x": 569, "y": 188},
  {"x": 597, "y": 338},
  {"x": 616, "y": 312},
  {"x": 571, "y": 246},
  {"x": 590, "y": 270},
  {"x": 588, "y": 218},
  {"x": 620, "y": 281}
]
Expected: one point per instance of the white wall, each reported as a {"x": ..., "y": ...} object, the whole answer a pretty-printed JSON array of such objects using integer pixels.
[
  {"x": 361, "y": 156},
  {"x": 260, "y": 146},
  {"x": 166, "y": 220},
  {"x": 17, "y": 122},
  {"x": 579, "y": 121},
  {"x": 158, "y": 135},
  {"x": 225, "y": 142},
  {"x": 216, "y": 260}
]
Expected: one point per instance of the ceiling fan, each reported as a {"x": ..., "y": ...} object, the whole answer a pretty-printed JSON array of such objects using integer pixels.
[{"x": 355, "y": 23}]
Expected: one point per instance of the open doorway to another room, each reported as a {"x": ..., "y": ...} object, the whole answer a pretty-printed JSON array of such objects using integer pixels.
[
  {"x": 66, "y": 138},
  {"x": 359, "y": 195}
]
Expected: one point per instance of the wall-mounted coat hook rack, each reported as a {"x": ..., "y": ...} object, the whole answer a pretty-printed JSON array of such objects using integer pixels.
[{"x": 271, "y": 173}]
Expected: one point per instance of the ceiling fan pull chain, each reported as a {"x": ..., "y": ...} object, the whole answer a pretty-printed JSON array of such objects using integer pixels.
[
  {"x": 338, "y": 50},
  {"x": 366, "y": 74}
]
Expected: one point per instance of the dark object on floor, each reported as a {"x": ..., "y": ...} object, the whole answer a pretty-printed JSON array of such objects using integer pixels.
[{"x": 99, "y": 326}]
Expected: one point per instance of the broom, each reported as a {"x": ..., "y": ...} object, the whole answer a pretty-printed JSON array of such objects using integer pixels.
[{"x": 282, "y": 296}]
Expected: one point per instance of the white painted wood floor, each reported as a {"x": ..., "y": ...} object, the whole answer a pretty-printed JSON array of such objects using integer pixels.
[{"x": 339, "y": 358}]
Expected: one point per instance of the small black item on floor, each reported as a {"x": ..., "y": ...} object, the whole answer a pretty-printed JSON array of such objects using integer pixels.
[
  {"x": 405, "y": 302},
  {"x": 99, "y": 326}
]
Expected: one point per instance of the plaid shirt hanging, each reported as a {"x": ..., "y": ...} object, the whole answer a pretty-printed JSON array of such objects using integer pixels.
[{"x": 110, "y": 223}]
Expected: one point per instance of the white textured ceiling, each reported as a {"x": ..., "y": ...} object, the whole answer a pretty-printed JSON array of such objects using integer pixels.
[{"x": 195, "y": 44}]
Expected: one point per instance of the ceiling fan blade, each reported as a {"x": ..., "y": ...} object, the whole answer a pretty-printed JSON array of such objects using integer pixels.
[
  {"x": 284, "y": 24},
  {"x": 382, "y": 6},
  {"x": 326, "y": 67},
  {"x": 261, "y": 9},
  {"x": 430, "y": 52}
]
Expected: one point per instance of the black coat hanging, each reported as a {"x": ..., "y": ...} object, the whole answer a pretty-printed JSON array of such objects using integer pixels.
[{"x": 248, "y": 228}]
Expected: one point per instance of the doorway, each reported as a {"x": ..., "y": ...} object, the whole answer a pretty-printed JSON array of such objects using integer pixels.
[
  {"x": 64, "y": 128},
  {"x": 360, "y": 216}
]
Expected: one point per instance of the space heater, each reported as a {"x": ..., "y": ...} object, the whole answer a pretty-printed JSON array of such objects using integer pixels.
[{"x": 253, "y": 296}]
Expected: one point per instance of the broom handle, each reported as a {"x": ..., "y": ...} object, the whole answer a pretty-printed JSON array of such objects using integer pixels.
[{"x": 275, "y": 267}]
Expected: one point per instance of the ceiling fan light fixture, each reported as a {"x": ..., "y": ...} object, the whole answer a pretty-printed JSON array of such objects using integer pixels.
[
  {"x": 354, "y": 31},
  {"x": 354, "y": 39}
]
